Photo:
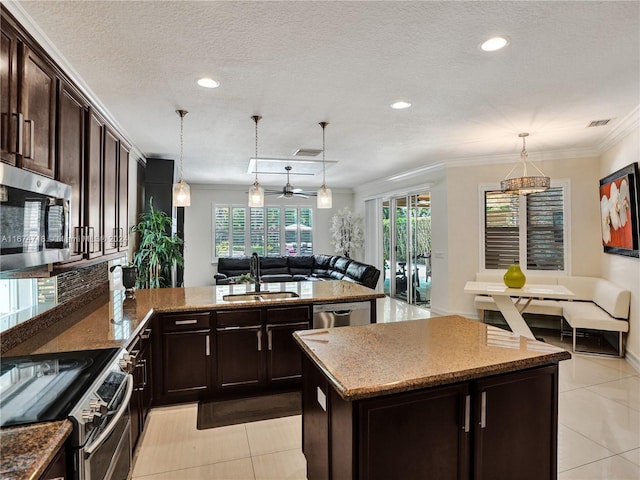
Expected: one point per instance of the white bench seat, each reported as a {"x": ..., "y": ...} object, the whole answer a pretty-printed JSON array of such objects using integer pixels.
[{"x": 598, "y": 305}]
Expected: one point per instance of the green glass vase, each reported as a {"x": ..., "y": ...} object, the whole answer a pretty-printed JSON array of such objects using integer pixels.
[{"x": 514, "y": 278}]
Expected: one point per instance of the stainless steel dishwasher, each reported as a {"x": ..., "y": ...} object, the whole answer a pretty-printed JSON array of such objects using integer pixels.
[{"x": 329, "y": 315}]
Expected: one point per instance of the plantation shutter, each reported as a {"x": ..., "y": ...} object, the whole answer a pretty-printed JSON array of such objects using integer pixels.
[
  {"x": 273, "y": 232},
  {"x": 222, "y": 232},
  {"x": 502, "y": 230},
  {"x": 545, "y": 230}
]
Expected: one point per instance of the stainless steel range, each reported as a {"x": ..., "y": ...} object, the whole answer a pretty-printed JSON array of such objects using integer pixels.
[{"x": 89, "y": 388}]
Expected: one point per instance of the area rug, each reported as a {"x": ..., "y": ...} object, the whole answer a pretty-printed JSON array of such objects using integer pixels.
[{"x": 231, "y": 412}]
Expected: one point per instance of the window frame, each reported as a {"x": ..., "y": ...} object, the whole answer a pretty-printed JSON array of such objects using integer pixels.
[
  {"x": 522, "y": 211},
  {"x": 247, "y": 232}
]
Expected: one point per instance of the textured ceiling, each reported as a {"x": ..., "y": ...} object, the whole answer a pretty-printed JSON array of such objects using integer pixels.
[{"x": 299, "y": 63}]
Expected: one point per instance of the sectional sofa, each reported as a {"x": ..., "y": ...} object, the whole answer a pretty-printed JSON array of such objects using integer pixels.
[
  {"x": 599, "y": 304},
  {"x": 299, "y": 268}
]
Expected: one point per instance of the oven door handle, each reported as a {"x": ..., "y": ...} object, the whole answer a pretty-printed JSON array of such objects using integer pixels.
[{"x": 114, "y": 421}]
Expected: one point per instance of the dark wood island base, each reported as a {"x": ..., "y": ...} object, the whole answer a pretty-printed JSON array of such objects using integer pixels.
[{"x": 491, "y": 415}]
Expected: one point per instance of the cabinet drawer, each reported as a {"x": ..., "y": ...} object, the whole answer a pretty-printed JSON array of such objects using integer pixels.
[
  {"x": 238, "y": 318},
  {"x": 185, "y": 321},
  {"x": 289, "y": 314}
]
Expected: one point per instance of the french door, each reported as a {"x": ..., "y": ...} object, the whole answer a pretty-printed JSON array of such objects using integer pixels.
[{"x": 407, "y": 247}]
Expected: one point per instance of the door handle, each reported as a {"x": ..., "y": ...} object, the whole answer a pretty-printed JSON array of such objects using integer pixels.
[
  {"x": 270, "y": 339},
  {"x": 208, "y": 346},
  {"x": 31, "y": 139},
  {"x": 259, "y": 332},
  {"x": 17, "y": 147},
  {"x": 467, "y": 413},
  {"x": 483, "y": 410}
]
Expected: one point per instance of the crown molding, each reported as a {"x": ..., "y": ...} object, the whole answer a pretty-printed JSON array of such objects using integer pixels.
[
  {"x": 629, "y": 124},
  {"x": 21, "y": 15}
]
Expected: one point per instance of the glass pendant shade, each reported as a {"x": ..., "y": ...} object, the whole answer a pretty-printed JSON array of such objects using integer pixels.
[
  {"x": 256, "y": 195},
  {"x": 181, "y": 194},
  {"x": 324, "y": 197}
]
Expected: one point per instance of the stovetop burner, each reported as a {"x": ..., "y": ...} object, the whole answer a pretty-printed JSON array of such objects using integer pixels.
[{"x": 45, "y": 387}]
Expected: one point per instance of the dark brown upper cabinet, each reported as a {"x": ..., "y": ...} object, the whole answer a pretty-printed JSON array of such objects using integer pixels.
[{"x": 10, "y": 143}]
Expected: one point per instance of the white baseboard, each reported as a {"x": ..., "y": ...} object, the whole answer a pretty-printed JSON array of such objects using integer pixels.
[{"x": 633, "y": 360}]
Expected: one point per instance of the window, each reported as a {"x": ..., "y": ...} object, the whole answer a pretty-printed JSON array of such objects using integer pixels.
[
  {"x": 269, "y": 231},
  {"x": 529, "y": 230}
]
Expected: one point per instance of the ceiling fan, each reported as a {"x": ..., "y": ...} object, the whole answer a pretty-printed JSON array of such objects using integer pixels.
[{"x": 288, "y": 191}]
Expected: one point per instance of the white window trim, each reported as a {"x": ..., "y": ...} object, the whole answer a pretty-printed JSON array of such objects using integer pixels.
[{"x": 565, "y": 184}]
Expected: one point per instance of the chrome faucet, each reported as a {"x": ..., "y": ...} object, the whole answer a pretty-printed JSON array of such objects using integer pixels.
[{"x": 254, "y": 270}]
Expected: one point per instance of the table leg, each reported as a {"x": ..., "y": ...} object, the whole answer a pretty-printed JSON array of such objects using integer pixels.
[{"x": 512, "y": 316}]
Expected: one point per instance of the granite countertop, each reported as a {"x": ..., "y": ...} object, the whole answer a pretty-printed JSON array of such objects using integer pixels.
[
  {"x": 114, "y": 321},
  {"x": 380, "y": 359},
  {"x": 26, "y": 451}
]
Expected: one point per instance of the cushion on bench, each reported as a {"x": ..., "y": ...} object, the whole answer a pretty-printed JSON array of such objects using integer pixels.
[{"x": 589, "y": 315}]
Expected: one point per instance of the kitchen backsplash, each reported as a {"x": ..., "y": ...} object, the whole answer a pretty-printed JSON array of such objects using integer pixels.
[{"x": 78, "y": 282}]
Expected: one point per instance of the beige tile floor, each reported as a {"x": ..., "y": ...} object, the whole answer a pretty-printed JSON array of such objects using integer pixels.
[{"x": 598, "y": 432}]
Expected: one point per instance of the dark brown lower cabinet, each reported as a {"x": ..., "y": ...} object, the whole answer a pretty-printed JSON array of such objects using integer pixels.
[
  {"x": 183, "y": 369},
  {"x": 57, "y": 469},
  {"x": 140, "y": 350},
  {"x": 255, "y": 349},
  {"x": 499, "y": 427},
  {"x": 519, "y": 427}
]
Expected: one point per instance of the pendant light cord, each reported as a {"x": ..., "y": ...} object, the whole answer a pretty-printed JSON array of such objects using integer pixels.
[
  {"x": 256, "y": 119},
  {"x": 182, "y": 113},
  {"x": 323, "y": 125}
]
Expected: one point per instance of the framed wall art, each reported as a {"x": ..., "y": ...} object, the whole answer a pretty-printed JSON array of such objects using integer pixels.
[{"x": 619, "y": 212}]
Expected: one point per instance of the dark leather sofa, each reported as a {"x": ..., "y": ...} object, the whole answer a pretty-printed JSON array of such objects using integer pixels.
[{"x": 298, "y": 268}]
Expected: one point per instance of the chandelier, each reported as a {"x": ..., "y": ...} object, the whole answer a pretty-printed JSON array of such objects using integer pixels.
[{"x": 525, "y": 184}]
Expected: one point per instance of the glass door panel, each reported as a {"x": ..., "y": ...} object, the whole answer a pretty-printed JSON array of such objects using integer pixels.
[{"x": 407, "y": 248}]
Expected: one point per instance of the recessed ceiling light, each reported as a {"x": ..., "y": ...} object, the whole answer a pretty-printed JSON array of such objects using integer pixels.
[
  {"x": 400, "y": 105},
  {"x": 495, "y": 43},
  {"x": 208, "y": 83}
]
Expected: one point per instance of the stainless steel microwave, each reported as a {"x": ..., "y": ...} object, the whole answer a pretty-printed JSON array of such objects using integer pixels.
[{"x": 34, "y": 219}]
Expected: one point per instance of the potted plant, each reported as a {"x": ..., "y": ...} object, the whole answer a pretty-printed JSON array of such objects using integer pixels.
[
  {"x": 158, "y": 250},
  {"x": 129, "y": 275}
]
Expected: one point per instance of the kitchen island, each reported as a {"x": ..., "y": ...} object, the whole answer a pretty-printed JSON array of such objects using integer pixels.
[{"x": 442, "y": 398}]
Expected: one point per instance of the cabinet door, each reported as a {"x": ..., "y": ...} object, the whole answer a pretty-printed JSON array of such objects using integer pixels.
[
  {"x": 123, "y": 197},
  {"x": 93, "y": 190},
  {"x": 416, "y": 435},
  {"x": 284, "y": 356},
  {"x": 186, "y": 360},
  {"x": 57, "y": 469},
  {"x": 517, "y": 425},
  {"x": 71, "y": 125},
  {"x": 111, "y": 152},
  {"x": 239, "y": 357},
  {"x": 10, "y": 144},
  {"x": 38, "y": 107}
]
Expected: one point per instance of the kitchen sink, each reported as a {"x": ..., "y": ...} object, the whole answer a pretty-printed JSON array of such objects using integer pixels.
[{"x": 258, "y": 296}]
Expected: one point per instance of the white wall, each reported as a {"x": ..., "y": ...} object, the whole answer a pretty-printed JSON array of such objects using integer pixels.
[
  {"x": 198, "y": 223},
  {"x": 624, "y": 271},
  {"x": 455, "y": 212}
]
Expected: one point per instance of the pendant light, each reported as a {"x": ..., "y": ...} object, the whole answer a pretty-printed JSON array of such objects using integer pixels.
[
  {"x": 256, "y": 192},
  {"x": 324, "y": 194},
  {"x": 181, "y": 190},
  {"x": 526, "y": 184}
]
